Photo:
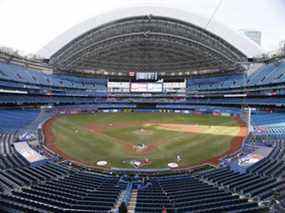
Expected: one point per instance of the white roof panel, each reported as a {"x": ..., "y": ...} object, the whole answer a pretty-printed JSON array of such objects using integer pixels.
[{"x": 238, "y": 40}]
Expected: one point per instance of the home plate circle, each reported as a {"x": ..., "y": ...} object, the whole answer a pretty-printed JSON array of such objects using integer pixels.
[
  {"x": 137, "y": 163},
  {"x": 172, "y": 165},
  {"x": 102, "y": 163}
]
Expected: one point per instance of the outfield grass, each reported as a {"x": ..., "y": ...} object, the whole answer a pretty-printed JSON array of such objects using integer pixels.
[{"x": 117, "y": 131}]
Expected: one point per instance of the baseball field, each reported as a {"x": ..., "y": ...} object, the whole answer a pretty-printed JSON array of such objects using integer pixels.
[{"x": 154, "y": 139}]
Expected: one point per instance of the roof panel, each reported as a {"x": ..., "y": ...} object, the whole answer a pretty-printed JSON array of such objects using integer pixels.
[{"x": 243, "y": 44}]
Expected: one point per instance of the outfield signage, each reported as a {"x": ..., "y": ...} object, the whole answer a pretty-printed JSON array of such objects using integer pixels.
[{"x": 235, "y": 95}]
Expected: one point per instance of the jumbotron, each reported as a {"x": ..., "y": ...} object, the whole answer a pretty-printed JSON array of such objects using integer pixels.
[{"x": 143, "y": 110}]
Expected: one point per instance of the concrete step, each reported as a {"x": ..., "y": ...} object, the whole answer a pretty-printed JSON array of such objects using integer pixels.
[{"x": 133, "y": 201}]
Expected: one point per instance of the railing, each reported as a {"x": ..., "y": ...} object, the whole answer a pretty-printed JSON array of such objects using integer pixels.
[{"x": 128, "y": 193}]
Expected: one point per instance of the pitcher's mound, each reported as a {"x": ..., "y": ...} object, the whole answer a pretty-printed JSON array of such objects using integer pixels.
[{"x": 143, "y": 132}]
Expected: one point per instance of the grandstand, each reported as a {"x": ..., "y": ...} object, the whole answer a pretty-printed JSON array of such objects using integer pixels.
[{"x": 142, "y": 60}]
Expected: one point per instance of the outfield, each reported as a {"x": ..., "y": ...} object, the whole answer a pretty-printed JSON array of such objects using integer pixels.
[{"x": 113, "y": 137}]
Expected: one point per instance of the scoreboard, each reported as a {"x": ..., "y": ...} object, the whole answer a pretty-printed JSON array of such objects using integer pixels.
[{"x": 146, "y": 76}]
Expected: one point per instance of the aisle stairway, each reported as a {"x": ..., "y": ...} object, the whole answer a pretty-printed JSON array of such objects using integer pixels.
[{"x": 133, "y": 201}]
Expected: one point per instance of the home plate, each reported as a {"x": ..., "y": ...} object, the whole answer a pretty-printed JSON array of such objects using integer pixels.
[
  {"x": 172, "y": 165},
  {"x": 102, "y": 163}
]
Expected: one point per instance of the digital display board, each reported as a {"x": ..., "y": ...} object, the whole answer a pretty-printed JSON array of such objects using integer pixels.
[{"x": 146, "y": 87}]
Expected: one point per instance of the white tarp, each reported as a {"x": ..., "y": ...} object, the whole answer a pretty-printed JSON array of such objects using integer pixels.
[{"x": 28, "y": 153}]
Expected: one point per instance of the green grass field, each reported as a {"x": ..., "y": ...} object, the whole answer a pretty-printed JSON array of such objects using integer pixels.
[{"x": 112, "y": 136}]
